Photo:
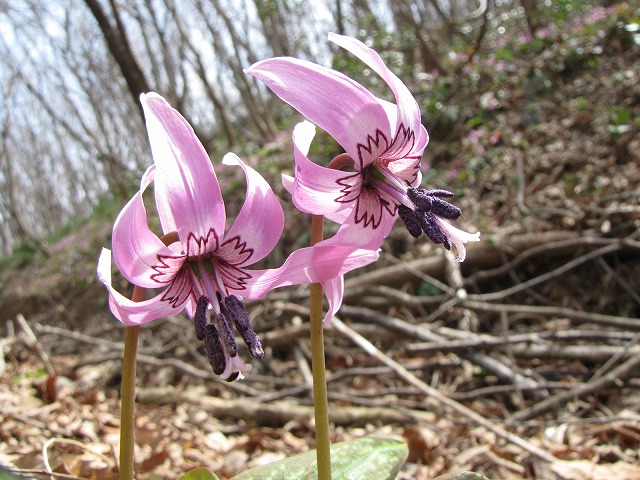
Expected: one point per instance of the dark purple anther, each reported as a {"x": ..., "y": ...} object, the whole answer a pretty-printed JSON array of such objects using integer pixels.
[
  {"x": 431, "y": 228},
  {"x": 200, "y": 318},
  {"x": 420, "y": 199},
  {"x": 214, "y": 350},
  {"x": 226, "y": 334},
  {"x": 408, "y": 217},
  {"x": 235, "y": 308},
  {"x": 445, "y": 209}
]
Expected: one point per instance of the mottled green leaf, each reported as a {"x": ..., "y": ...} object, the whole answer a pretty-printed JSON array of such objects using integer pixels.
[
  {"x": 7, "y": 475},
  {"x": 368, "y": 458},
  {"x": 200, "y": 473}
]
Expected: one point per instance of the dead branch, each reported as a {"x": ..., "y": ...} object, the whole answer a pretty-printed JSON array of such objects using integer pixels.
[
  {"x": 559, "y": 400},
  {"x": 402, "y": 372},
  {"x": 481, "y": 255},
  {"x": 33, "y": 343},
  {"x": 423, "y": 333},
  {"x": 626, "y": 323},
  {"x": 274, "y": 415}
]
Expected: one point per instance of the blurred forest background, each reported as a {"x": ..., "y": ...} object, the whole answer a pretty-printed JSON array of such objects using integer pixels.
[
  {"x": 71, "y": 128},
  {"x": 533, "y": 108}
]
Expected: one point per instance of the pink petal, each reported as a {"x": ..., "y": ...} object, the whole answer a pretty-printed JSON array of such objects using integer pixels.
[
  {"x": 308, "y": 265},
  {"x": 458, "y": 238},
  {"x": 356, "y": 235},
  {"x": 334, "y": 292},
  {"x": 261, "y": 219},
  {"x": 188, "y": 195},
  {"x": 408, "y": 110},
  {"x": 315, "y": 188},
  {"x": 136, "y": 249},
  {"x": 127, "y": 311},
  {"x": 331, "y": 100}
]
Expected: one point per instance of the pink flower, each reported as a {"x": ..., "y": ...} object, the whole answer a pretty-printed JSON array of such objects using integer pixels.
[
  {"x": 205, "y": 271},
  {"x": 384, "y": 142}
]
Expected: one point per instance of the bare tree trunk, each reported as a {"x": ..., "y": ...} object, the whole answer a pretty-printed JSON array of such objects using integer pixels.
[
  {"x": 118, "y": 44},
  {"x": 531, "y": 14},
  {"x": 220, "y": 108},
  {"x": 274, "y": 25},
  {"x": 365, "y": 17},
  {"x": 403, "y": 16},
  {"x": 339, "y": 18},
  {"x": 259, "y": 115},
  {"x": 21, "y": 230},
  {"x": 170, "y": 62}
]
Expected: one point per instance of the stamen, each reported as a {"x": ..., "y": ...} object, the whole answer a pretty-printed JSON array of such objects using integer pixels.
[
  {"x": 429, "y": 225},
  {"x": 200, "y": 318},
  {"x": 235, "y": 308},
  {"x": 438, "y": 192},
  {"x": 431, "y": 201},
  {"x": 408, "y": 218},
  {"x": 383, "y": 180},
  {"x": 445, "y": 209},
  {"x": 390, "y": 179},
  {"x": 205, "y": 278},
  {"x": 420, "y": 199},
  {"x": 213, "y": 347},
  {"x": 227, "y": 334}
]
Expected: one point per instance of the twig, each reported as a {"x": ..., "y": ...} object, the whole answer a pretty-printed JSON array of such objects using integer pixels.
[
  {"x": 626, "y": 323},
  {"x": 504, "y": 389},
  {"x": 623, "y": 283},
  {"x": 551, "y": 248},
  {"x": 5, "y": 342},
  {"x": 83, "y": 337},
  {"x": 574, "y": 352},
  {"x": 621, "y": 353},
  {"x": 482, "y": 254},
  {"x": 68, "y": 441},
  {"x": 549, "y": 275},
  {"x": 301, "y": 359},
  {"x": 421, "y": 275},
  {"x": 275, "y": 415},
  {"x": 435, "y": 394},
  {"x": 385, "y": 293},
  {"x": 421, "y": 333},
  {"x": 484, "y": 341},
  {"x": 556, "y": 401},
  {"x": 32, "y": 342}
]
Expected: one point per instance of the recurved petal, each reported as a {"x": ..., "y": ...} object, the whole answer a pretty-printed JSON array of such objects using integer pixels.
[
  {"x": 316, "y": 188},
  {"x": 136, "y": 249},
  {"x": 331, "y": 100},
  {"x": 408, "y": 110},
  {"x": 334, "y": 292},
  {"x": 458, "y": 238},
  {"x": 261, "y": 219},
  {"x": 187, "y": 191},
  {"x": 356, "y": 235},
  {"x": 316, "y": 264},
  {"x": 127, "y": 311}
]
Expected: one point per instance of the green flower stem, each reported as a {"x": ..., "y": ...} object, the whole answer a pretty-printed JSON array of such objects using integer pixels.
[
  {"x": 128, "y": 391},
  {"x": 320, "y": 398},
  {"x": 128, "y": 398}
]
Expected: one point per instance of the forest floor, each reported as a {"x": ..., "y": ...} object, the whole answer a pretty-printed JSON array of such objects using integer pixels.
[{"x": 537, "y": 331}]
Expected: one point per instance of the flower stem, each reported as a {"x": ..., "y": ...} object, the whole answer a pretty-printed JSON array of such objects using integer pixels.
[
  {"x": 128, "y": 396},
  {"x": 320, "y": 399},
  {"x": 128, "y": 389}
]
